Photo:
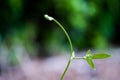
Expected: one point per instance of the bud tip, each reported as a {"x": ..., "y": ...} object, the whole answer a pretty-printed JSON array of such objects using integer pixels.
[{"x": 48, "y": 17}]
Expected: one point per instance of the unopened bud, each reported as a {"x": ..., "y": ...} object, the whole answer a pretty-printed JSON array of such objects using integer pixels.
[{"x": 48, "y": 17}]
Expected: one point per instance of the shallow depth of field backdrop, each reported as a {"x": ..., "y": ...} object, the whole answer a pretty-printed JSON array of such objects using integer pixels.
[{"x": 91, "y": 24}]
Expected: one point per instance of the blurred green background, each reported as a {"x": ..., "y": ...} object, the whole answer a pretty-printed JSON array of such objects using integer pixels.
[{"x": 90, "y": 24}]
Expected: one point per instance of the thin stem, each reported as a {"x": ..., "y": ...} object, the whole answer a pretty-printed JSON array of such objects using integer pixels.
[
  {"x": 68, "y": 64},
  {"x": 78, "y": 58},
  {"x": 71, "y": 49}
]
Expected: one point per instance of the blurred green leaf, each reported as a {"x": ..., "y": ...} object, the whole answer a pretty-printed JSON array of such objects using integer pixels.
[
  {"x": 90, "y": 62},
  {"x": 100, "y": 56},
  {"x": 89, "y": 53}
]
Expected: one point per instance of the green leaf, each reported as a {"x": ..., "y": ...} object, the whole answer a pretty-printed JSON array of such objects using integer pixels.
[
  {"x": 90, "y": 62},
  {"x": 100, "y": 56},
  {"x": 89, "y": 53}
]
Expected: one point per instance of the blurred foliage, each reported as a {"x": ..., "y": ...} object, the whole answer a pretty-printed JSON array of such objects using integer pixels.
[{"x": 90, "y": 23}]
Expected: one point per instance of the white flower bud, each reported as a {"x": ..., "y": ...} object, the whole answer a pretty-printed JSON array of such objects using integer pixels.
[{"x": 48, "y": 17}]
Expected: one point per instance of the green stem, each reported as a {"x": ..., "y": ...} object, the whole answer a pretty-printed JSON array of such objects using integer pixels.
[
  {"x": 71, "y": 49},
  {"x": 68, "y": 64},
  {"x": 78, "y": 58}
]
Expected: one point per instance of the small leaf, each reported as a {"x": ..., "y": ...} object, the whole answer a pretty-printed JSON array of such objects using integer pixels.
[
  {"x": 100, "y": 56},
  {"x": 90, "y": 62},
  {"x": 89, "y": 53}
]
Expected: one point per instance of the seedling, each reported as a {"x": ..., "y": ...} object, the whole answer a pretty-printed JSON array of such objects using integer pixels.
[{"x": 88, "y": 57}]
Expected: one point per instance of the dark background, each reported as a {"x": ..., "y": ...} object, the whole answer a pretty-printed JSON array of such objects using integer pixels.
[{"x": 90, "y": 24}]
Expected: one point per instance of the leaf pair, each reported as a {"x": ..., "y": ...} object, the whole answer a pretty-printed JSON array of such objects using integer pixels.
[{"x": 89, "y": 57}]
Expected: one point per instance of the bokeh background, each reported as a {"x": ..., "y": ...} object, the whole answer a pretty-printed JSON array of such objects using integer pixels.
[{"x": 91, "y": 24}]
